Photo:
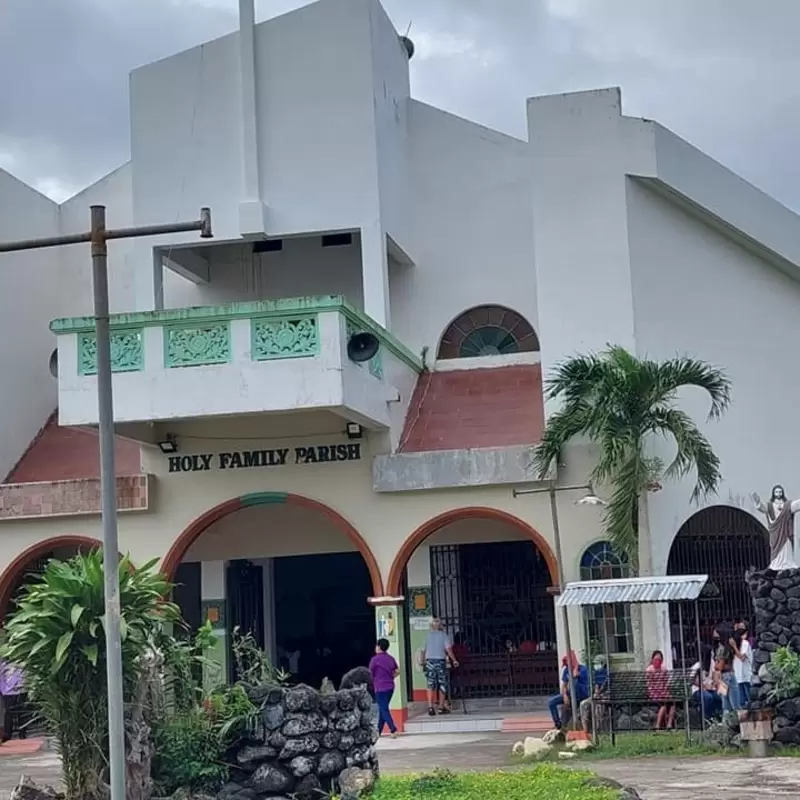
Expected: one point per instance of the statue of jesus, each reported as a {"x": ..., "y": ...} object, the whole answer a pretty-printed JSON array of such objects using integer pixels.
[{"x": 780, "y": 523}]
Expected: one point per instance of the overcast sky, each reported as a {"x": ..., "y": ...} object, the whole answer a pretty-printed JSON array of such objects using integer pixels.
[{"x": 724, "y": 74}]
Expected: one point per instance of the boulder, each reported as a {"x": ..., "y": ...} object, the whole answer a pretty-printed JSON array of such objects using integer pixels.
[
  {"x": 301, "y": 698},
  {"x": 355, "y": 783},
  {"x": 26, "y": 789},
  {"x": 271, "y": 779},
  {"x": 330, "y": 764}
]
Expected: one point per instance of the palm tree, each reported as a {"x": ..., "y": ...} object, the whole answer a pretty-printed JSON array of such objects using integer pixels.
[{"x": 620, "y": 402}]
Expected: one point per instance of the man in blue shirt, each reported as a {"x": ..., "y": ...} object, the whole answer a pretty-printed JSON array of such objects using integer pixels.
[
  {"x": 600, "y": 673},
  {"x": 580, "y": 676}
]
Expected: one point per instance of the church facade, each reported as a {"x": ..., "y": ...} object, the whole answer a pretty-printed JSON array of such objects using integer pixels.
[{"x": 323, "y": 412}]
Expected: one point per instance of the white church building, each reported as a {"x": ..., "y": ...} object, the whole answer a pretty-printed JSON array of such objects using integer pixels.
[{"x": 308, "y": 496}]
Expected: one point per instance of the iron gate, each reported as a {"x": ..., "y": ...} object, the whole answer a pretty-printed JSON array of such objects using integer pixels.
[
  {"x": 493, "y": 599},
  {"x": 724, "y": 543}
]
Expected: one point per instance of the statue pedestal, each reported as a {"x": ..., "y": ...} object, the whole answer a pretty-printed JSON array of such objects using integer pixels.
[{"x": 776, "y": 600}]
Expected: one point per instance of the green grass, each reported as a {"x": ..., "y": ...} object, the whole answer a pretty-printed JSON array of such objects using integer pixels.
[
  {"x": 545, "y": 782},
  {"x": 651, "y": 744}
]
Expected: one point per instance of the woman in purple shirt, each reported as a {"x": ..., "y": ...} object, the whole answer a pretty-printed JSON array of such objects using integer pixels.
[
  {"x": 384, "y": 670},
  {"x": 11, "y": 696}
]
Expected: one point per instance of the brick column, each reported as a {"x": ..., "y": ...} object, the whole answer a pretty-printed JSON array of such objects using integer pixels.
[{"x": 390, "y": 624}]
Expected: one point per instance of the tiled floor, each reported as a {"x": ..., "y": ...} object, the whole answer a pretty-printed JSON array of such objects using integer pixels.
[
  {"x": 480, "y": 722},
  {"x": 21, "y": 747}
]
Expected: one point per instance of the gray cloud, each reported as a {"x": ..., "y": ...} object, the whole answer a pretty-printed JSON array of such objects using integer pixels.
[{"x": 722, "y": 73}]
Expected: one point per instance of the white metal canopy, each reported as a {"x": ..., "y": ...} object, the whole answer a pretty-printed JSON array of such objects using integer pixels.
[{"x": 660, "y": 589}]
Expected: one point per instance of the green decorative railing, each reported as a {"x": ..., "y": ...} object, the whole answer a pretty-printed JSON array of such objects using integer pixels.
[
  {"x": 288, "y": 337},
  {"x": 198, "y": 336},
  {"x": 127, "y": 351}
]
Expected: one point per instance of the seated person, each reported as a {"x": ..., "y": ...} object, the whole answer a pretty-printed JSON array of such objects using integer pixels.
[
  {"x": 600, "y": 674},
  {"x": 658, "y": 691},
  {"x": 703, "y": 691},
  {"x": 580, "y": 677}
]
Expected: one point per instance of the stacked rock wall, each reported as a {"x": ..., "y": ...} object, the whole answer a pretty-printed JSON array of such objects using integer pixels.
[
  {"x": 302, "y": 743},
  {"x": 776, "y": 599}
]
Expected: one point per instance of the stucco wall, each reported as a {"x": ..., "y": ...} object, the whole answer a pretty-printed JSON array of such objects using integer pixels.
[
  {"x": 699, "y": 293},
  {"x": 474, "y": 233},
  {"x": 29, "y": 296},
  {"x": 75, "y": 268},
  {"x": 383, "y": 521}
]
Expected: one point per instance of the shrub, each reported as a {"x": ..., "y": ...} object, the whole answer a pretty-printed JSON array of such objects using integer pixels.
[
  {"x": 57, "y": 636},
  {"x": 187, "y": 753},
  {"x": 785, "y": 671}
]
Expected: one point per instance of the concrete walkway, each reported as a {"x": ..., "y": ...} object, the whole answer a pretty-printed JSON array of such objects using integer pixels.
[{"x": 655, "y": 779}]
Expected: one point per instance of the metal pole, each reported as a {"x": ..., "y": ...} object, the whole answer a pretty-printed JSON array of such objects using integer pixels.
[
  {"x": 700, "y": 662},
  {"x": 108, "y": 487},
  {"x": 608, "y": 686},
  {"x": 565, "y": 612},
  {"x": 590, "y": 658},
  {"x": 683, "y": 670}
]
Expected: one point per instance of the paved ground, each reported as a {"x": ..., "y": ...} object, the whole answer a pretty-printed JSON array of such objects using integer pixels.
[{"x": 656, "y": 779}]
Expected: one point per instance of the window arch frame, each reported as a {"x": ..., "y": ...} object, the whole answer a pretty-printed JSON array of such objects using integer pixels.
[
  {"x": 469, "y": 324},
  {"x": 597, "y": 560}
]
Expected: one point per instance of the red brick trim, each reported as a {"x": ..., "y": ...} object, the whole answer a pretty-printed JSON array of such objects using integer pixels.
[
  {"x": 10, "y": 575},
  {"x": 69, "y": 498},
  {"x": 394, "y": 586},
  {"x": 190, "y": 534}
]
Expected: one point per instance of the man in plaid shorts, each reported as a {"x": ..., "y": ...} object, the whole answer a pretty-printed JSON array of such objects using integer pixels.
[{"x": 438, "y": 648}]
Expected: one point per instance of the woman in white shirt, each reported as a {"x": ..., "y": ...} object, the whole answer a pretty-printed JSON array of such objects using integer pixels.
[{"x": 743, "y": 665}]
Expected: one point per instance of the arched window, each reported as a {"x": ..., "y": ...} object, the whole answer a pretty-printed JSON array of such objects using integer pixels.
[
  {"x": 488, "y": 331},
  {"x": 601, "y": 561}
]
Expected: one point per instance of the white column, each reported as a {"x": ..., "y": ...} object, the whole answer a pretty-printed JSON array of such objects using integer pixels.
[
  {"x": 375, "y": 274},
  {"x": 251, "y": 207},
  {"x": 581, "y": 147}
]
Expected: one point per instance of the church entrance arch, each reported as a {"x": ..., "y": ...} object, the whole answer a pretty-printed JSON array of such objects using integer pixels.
[
  {"x": 32, "y": 561},
  {"x": 290, "y": 571},
  {"x": 486, "y": 574},
  {"x": 723, "y": 542}
]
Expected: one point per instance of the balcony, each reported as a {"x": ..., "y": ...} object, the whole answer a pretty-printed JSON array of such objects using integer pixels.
[{"x": 261, "y": 357}]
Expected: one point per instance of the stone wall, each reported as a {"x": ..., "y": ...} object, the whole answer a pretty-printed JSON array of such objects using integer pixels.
[
  {"x": 776, "y": 598},
  {"x": 302, "y": 743}
]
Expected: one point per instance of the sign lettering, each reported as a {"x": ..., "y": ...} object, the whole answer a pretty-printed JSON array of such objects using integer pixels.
[{"x": 278, "y": 457}]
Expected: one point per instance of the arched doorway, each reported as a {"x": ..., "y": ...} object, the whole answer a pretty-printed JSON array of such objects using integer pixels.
[
  {"x": 289, "y": 570},
  {"x": 723, "y": 542},
  {"x": 32, "y": 561},
  {"x": 486, "y": 574}
]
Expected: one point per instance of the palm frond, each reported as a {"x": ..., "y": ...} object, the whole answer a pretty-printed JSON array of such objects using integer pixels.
[
  {"x": 574, "y": 377},
  {"x": 684, "y": 371},
  {"x": 694, "y": 450},
  {"x": 561, "y": 427}
]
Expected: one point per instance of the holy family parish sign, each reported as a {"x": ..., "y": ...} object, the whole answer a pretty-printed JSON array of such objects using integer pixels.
[{"x": 279, "y": 457}]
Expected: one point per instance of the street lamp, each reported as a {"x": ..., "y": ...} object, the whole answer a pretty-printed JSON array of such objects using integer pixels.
[{"x": 589, "y": 499}]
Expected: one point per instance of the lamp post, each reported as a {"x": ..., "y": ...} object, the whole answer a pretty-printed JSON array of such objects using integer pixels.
[{"x": 589, "y": 499}]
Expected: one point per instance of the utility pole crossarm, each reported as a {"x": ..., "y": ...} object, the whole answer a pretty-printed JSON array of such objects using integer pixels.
[{"x": 203, "y": 225}]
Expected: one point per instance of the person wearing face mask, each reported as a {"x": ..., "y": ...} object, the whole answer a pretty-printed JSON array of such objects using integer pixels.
[
  {"x": 589, "y": 711},
  {"x": 658, "y": 691},
  {"x": 726, "y": 650},
  {"x": 580, "y": 676},
  {"x": 743, "y": 664}
]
